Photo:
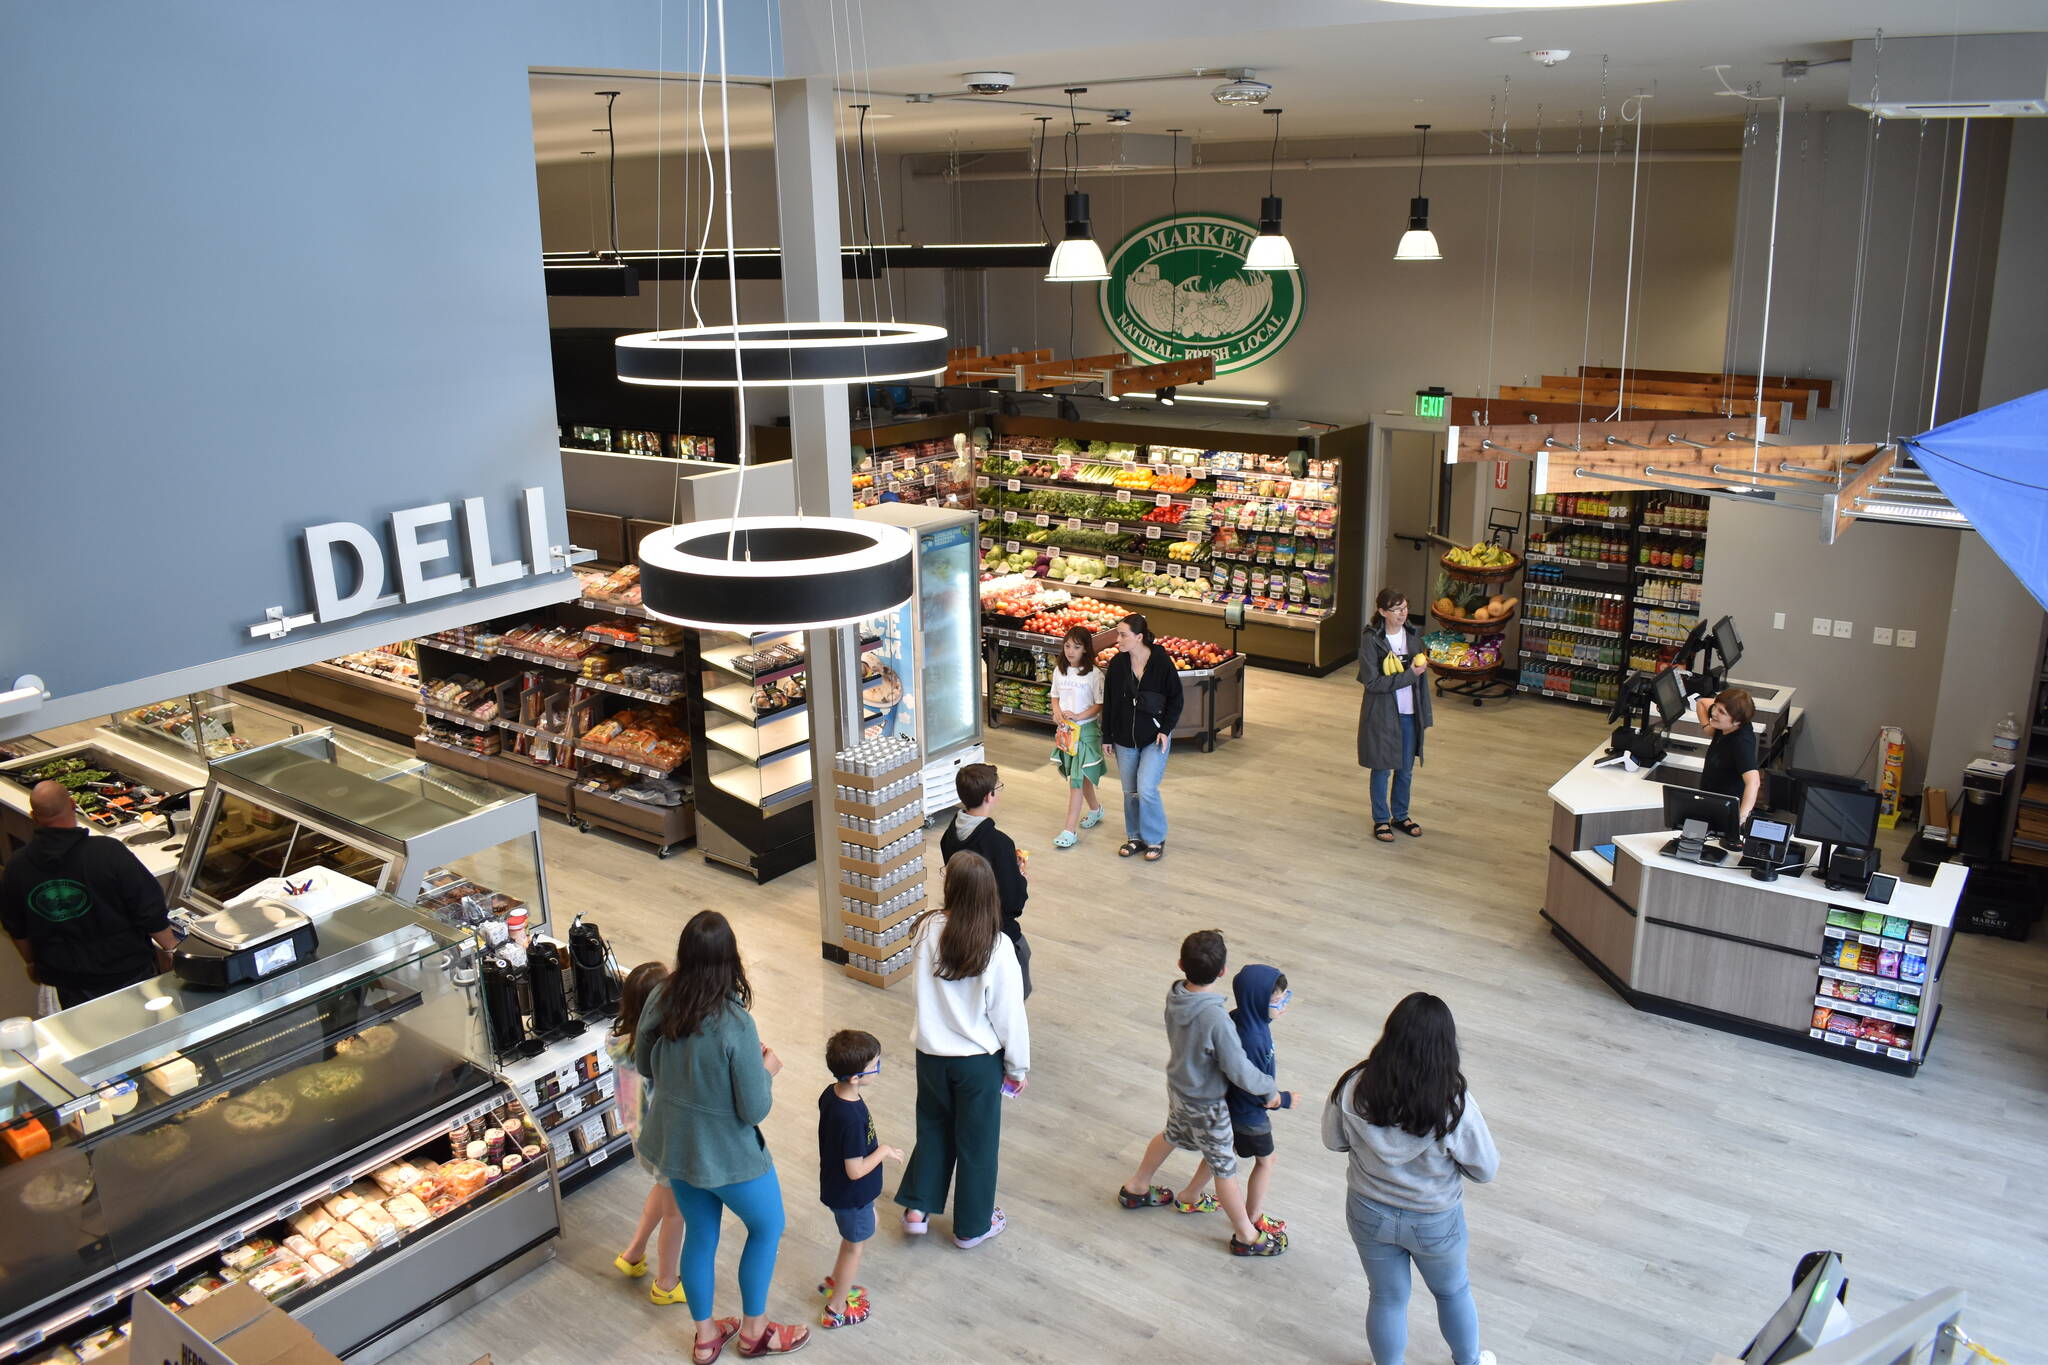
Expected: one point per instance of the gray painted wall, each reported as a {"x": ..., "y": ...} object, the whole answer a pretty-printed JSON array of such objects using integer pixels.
[{"x": 279, "y": 269}]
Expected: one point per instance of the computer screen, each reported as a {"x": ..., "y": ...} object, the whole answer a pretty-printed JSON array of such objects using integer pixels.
[
  {"x": 1727, "y": 642},
  {"x": 1716, "y": 809},
  {"x": 1834, "y": 815},
  {"x": 1670, "y": 696},
  {"x": 1690, "y": 650},
  {"x": 1770, "y": 831}
]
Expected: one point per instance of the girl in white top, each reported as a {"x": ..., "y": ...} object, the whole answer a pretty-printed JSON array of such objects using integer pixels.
[
  {"x": 1077, "y": 708},
  {"x": 973, "y": 1045}
]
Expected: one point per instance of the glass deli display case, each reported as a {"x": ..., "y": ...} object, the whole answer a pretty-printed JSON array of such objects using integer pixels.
[
  {"x": 317, "y": 821},
  {"x": 329, "y": 1136},
  {"x": 202, "y": 726},
  {"x": 929, "y": 684}
]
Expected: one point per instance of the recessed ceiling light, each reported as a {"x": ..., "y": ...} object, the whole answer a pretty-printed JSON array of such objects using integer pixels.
[{"x": 1505, "y": 38}]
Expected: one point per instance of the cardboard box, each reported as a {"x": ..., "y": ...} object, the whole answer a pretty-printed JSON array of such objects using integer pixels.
[
  {"x": 237, "y": 1326},
  {"x": 1934, "y": 812}
]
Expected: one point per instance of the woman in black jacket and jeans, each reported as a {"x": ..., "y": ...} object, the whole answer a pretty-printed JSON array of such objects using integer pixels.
[{"x": 1141, "y": 708}]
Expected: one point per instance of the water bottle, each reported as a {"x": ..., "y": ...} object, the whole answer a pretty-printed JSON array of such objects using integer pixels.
[{"x": 2005, "y": 740}]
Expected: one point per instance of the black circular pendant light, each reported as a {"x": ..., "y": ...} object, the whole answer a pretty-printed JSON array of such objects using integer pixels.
[{"x": 774, "y": 573}]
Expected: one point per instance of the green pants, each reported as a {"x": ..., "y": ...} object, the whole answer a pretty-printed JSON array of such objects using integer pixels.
[{"x": 959, "y": 1122}]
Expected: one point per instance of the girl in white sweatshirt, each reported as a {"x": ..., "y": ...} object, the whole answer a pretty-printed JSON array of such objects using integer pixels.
[{"x": 973, "y": 1047}]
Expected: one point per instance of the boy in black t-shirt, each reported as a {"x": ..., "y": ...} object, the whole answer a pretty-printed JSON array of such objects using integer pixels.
[{"x": 849, "y": 1168}]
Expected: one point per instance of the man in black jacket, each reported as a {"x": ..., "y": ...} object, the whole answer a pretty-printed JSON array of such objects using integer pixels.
[
  {"x": 974, "y": 829},
  {"x": 85, "y": 914}
]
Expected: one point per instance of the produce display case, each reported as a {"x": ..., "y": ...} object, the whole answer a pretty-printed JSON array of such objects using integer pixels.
[
  {"x": 295, "y": 1135},
  {"x": 1179, "y": 518},
  {"x": 1474, "y": 601},
  {"x": 355, "y": 822}
]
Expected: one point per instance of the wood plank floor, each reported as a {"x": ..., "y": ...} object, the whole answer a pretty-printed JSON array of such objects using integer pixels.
[{"x": 1658, "y": 1180}]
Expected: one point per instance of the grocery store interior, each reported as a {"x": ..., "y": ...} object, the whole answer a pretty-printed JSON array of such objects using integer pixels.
[{"x": 548, "y": 549}]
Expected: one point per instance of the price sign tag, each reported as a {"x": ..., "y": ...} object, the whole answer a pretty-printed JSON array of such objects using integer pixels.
[
  {"x": 1014, "y": 486},
  {"x": 163, "y": 1272},
  {"x": 102, "y": 1304},
  {"x": 1162, "y": 500},
  {"x": 229, "y": 1242},
  {"x": 1110, "y": 527},
  {"x": 1200, "y": 504},
  {"x": 30, "y": 1340},
  {"x": 1149, "y": 565},
  {"x": 1871, "y": 940},
  {"x": 988, "y": 514},
  {"x": 1864, "y": 1045},
  {"x": 598, "y": 1155},
  {"x": 1897, "y": 1053},
  {"x": 1073, "y": 523},
  {"x": 1190, "y": 534},
  {"x": 1152, "y": 531},
  {"x": 338, "y": 1185},
  {"x": 988, "y": 543},
  {"x": 981, "y": 480},
  {"x": 1042, "y": 519},
  {"x": 1011, "y": 547},
  {"x": 1009, "y": 516},
  {"x": 288, "y": 1208},
  {"x": 1066, "y": 459},
  {"x": 1110, "y": 560},
  {"x": 885, "y": 466},
  {"x": 930, "y": 478}
]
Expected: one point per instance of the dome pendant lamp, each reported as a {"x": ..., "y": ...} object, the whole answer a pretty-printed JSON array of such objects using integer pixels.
[
  {"x": 1418, "y": 243},
  {"x": 1270, "y": 250},
  {"x": 1076, "y": 260}
]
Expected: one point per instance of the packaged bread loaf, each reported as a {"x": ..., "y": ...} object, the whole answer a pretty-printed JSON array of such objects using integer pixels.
[
  {"x": 345, "y": 1245},
  {"x": 340, "y": 1206},
  {"x": 312, "y": 1224}
]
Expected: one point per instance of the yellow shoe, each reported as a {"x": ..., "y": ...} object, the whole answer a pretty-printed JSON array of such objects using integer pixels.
[
  {"x": 632, "y": 1270},
  {"x": 656, "y": 1294}
]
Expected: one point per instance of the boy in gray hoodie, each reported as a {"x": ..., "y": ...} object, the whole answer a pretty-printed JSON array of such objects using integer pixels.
[{"x": 1204, "y": 1054}]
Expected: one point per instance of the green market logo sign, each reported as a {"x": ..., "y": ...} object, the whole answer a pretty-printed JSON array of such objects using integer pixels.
[{"x": 1178, "y": 289}]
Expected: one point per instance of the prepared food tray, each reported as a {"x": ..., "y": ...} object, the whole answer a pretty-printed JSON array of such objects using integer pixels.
[{"x": 105, "y": 798}]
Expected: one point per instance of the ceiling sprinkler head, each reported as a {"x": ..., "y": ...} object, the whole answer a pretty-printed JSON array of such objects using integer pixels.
[
  {"x": 1549, "y": 56},
  {"x": 1242, "y": 90},
  {"x": 989, "y": 82}
]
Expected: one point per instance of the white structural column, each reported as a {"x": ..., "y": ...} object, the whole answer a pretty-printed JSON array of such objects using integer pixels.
[{"x": 807, "y": 194}]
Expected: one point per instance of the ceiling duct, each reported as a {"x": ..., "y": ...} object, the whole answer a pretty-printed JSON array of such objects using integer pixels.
[
  {"x": 1100, "y": 153},
  {"x": 1979, "y": 75}
]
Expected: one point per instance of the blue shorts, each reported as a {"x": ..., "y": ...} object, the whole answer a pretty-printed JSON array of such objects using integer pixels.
[{"x": 856, "y": 1225}]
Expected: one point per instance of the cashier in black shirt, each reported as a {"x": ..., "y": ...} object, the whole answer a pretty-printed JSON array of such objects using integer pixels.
[
  {"x": 85, "y": 914},
  {"x": 1730, "y": 766}
]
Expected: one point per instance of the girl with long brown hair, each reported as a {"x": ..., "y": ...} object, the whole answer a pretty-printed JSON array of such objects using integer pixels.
[
  {"x": 697, "y": 1044},
  {"x": 973, "y": 1048}
]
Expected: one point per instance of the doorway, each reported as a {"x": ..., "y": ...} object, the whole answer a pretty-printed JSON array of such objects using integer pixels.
[{"x": 1416, "y": 505}]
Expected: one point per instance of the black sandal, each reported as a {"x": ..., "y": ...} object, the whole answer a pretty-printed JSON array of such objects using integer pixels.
[
  {"x": 1383, "y": 832},
  {"x": 1131, "y": 846},
  {"x": 1155, "y": 853},
  {"x": 1409, "y": 828}
]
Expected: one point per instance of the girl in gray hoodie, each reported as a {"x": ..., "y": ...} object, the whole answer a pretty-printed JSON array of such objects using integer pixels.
[{"x": 1414, "y": 1136}]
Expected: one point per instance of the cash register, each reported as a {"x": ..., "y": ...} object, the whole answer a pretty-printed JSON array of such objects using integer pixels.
[{"x": 1695, "y": 814}]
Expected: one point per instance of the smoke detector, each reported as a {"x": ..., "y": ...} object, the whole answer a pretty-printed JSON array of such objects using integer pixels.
[
  {"x": 1549, "y": 56},
  {"x": 989, "y": 82},
  {"x": 1241, "y": 89}
]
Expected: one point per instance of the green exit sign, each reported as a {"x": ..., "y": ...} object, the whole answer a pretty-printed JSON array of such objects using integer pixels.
[{"x": 1430, "y": 402}]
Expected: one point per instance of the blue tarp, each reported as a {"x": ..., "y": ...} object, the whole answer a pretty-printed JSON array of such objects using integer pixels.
[{"x": 1993, "y": 465}]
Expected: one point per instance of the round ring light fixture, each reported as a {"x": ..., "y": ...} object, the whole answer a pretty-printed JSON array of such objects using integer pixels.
[
  {"x": 755, "y": 574},
  {"x": 756, "y": 355}
]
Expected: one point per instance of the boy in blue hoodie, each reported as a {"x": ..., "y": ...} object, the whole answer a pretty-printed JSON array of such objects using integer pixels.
[
  {"x": 1204, "y": 1059},
  {"x": 1262, "y": 995}
]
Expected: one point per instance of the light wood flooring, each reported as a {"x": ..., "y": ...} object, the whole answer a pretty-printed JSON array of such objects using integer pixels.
[{"x": 1658, "y": 1180}]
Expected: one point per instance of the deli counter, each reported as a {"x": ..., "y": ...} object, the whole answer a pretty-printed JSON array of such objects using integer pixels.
[{"x": 332, "y": 1135}]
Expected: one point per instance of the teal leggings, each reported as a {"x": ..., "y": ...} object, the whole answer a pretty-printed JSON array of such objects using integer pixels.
[{"x": 758, "y": 1202}]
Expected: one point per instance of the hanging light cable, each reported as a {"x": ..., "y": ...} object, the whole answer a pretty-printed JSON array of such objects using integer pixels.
[
  {"x": 1076, "y": 260},
  {"x": 1418, "y": 243},
  {"x": 1270, "y": 250}
]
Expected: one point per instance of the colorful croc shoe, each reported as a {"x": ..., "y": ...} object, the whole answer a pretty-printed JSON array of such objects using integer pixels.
[
  {"x": 1205, "y": 1204},
  {"x": 1157, "y": 1197},
  {"x": 1269, "y": 1244}
]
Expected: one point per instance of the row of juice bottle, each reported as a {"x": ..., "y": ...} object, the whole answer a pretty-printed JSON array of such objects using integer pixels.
[
  {"x": 1606, "y": 506},
  {"x": 1572, "y": 649},
  {"x": 1590, "y": 683},
  {"x": 1571, "y": 609}
]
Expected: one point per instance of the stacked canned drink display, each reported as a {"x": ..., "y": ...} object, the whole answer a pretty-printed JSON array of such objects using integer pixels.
[
  {"x": 858, "y": 937},
  {"x": 887, "y": 966},
  {"x": 888, "y": 852},
  {"x": 896, "y": 819},
  {"x": 902, "y": 786},
  {"x": 913, "y": 868},
  {"x": 883, "y": 910},
  {"x": 873, "y": 757}
]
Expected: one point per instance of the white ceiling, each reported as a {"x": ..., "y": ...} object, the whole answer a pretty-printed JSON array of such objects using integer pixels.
[{"x": 1395, "y": 66}]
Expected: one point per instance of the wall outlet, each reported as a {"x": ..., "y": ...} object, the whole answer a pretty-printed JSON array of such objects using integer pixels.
[
  {"x": 1777, "y": 620},
  {"x": 1908, "y": 639},
  {"x": 1844, "y": 629},
  {"x": 1880, "y": 635},
  {"x": 1822, "y": 626}
]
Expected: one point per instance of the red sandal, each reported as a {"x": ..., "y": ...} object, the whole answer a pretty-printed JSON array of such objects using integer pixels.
[
  {"x": 705, "y": 1352},
  {"x": 776, "y": 1339}
]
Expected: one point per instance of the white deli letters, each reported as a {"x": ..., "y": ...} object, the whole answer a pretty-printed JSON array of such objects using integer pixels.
[{"x": 419, "y": 537}]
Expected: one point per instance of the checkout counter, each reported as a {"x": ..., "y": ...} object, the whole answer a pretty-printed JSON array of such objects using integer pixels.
[{"x": 1788, "y": 961}]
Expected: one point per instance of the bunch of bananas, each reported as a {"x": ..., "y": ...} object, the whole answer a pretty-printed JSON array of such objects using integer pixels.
[{"x": 1480, "y": 556}]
